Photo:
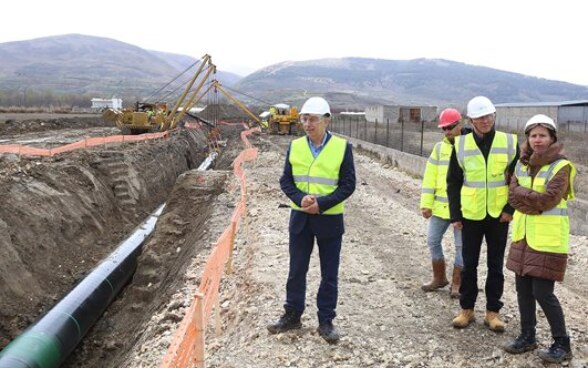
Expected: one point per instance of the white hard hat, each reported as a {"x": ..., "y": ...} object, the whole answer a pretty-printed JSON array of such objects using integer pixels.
[
  {"x": 540, "y": 119},
  {"x": 480, "y": 106},
  {"x": 316, "y": 105}
]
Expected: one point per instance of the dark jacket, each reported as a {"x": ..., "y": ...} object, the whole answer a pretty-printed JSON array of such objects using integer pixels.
[
  {"x": 522, "y": 259},
  {"x": 323, "y": 226},
  {"x": 455, "y": 176}
]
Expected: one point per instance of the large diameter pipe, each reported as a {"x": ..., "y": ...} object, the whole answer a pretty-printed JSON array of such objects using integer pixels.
[
  {"x": 48, "y": 342},
  {"x": 207, "y": 162}
]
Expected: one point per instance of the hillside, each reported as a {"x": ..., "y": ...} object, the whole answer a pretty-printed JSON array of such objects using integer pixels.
[
  {"x": 79, "y": 64},
  {"x": 87, "y": 65},
  {"x": 420, "y": 81}
]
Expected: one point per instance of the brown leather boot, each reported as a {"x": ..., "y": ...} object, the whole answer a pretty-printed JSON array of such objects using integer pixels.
[
  {"x": 439, "y": 278},
  {"x": 464, "y": 318},
  {"x": 493, "y": 322},
  {"x": 455, "y": 282}
]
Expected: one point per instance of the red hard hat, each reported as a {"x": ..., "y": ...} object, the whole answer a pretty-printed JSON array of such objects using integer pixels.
[{"x": 448, "y": 116}]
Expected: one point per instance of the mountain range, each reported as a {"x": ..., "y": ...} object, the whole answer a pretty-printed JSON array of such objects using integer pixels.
[
  {"x": 102, "y": 67},
  {"x": 78, "y": 64},
  {"x": 419, "y": 81}
]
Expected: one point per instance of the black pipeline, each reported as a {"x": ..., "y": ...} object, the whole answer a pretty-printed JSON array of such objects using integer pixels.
[{"x": 48, "y": 342}]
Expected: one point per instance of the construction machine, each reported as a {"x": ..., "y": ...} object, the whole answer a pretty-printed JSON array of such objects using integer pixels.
[
  {"x": 218, "y": 87},
  {"x": 280, "y": 119},
  {"x": 284, "y": 119},
  {"x": 145, "y": 117}
]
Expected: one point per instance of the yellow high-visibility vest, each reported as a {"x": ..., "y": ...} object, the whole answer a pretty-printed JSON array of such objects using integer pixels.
[
  {"x": 484, "y": 190},
  {"x": 549, "y": 231},
  {"x": 318, "y": 176},
  {"x": 434, "y": 187}
]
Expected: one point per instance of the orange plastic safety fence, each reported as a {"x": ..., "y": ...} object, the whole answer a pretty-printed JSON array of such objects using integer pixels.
[
  {"x": 245, "y": 133},
  {"x": 88, "y": 142},
  {"x": 187, "y": 347},
  {"x": 223, "y": 122},
  {"x": 189, "y": 125},
  {"x": 192, "y": 342}
]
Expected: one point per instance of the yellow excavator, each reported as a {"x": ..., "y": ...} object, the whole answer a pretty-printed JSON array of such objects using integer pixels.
[
  {"x": 284, "y": 119},
  {"x": 146, "y": 117}
]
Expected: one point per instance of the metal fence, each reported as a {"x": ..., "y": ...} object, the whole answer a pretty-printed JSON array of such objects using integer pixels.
[
  {"x": 518, "y": 125},
  {"x": 419, "y": 138}
]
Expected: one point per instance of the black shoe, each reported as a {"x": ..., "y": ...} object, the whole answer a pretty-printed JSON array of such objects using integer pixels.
[
  {"x": 328, "y": 332},
  {"x": 289, "y": 321},
  {"x": 525, "y": 342},
  {"x": 558, "y": 352}
]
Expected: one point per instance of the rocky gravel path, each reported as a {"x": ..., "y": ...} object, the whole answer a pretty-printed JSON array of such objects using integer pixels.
[{"x": 384, "y": 317}]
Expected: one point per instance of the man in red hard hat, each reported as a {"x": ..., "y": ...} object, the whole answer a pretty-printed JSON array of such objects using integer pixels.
[{"x": 435, "y": 205}]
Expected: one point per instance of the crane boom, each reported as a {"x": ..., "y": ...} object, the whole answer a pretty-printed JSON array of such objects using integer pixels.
[{"x": 239, "y": 104}]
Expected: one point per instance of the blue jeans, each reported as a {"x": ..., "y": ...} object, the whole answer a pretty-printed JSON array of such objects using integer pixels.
[{"x": 436, "y": 230}]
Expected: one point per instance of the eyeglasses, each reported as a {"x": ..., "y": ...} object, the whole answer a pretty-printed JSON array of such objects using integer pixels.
[
  {"x": 450, "y": 127},
  {"x": 310, "y": 118}
]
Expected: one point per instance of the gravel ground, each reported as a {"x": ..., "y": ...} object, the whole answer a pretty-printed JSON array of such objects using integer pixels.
[{"x": 383, "y": 316}]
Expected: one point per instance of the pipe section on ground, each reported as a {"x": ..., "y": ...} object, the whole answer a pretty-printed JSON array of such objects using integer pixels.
[
  {"x": 48, "y": 342},
  {"x": 207, "y": 162}
]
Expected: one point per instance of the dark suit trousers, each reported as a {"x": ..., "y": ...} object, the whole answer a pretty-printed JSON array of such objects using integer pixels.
[
  {"x": 473, "y": 233},
  {"x": 301, "y": 245}
]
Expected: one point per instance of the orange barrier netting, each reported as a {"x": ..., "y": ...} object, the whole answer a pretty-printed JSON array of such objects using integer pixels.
[
  {"x": 88, "y": 142},
  {"x": 197, "y": 125},
  {"x": 187, "y": 347}
]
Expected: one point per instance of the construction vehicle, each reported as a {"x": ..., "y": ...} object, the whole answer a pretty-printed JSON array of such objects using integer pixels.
[
  {"x": 284, "y": 119},
  {"x": 145, "y": 117},
  {"x": 218, "y": 87},
  {"x": 280, "y": 119}
]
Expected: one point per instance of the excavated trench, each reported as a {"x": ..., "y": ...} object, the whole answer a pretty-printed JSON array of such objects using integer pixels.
[{"x": 60, "y": 216}]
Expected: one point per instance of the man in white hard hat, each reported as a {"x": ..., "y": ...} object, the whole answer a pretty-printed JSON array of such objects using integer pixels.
[
  {"x": 319, "y": 174},
  {"x": 477, "y": 187}
]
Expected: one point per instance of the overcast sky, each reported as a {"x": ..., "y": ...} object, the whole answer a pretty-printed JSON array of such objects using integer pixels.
[{"x": 546, "y": 39}]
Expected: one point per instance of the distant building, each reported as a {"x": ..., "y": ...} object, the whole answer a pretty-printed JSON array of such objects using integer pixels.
[
  {"x": 356, "y": 113},
  {"x": 99, "y": 104},
  {"x": 569, "y": 115},
  {"x": 400, "y": 113}
]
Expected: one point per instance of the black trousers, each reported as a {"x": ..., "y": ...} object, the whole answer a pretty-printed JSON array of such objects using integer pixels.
[
  {"x": 533, "y": 289},
  {"x": 495, "y": 233},
  {"x": 301, "y": 246}
]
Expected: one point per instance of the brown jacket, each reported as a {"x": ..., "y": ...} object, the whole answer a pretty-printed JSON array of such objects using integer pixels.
[{"x": 522, "y": 259}]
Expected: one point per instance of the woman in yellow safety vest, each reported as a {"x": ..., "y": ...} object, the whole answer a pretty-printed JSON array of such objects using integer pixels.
[{"x": 539, "y": 191}]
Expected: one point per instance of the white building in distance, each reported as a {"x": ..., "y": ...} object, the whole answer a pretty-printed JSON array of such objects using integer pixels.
[{"x": 103, "y": 103}]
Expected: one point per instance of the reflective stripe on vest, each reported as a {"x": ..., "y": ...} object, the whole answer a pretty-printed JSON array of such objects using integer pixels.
[
  {"x": 549, "y": 231},
  {"x": 484, "y": 190},
  {"x": 318, "y": 176},
  {"x": 434, "y": 186}
]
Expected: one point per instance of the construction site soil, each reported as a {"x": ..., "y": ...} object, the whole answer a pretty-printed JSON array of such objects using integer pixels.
[{"x": 60, "y": 216}]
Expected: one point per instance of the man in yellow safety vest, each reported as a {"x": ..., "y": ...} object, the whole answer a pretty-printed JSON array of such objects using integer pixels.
[
  {"x": 477, "y": 186},
  {"x": 319, "y": 175}
]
